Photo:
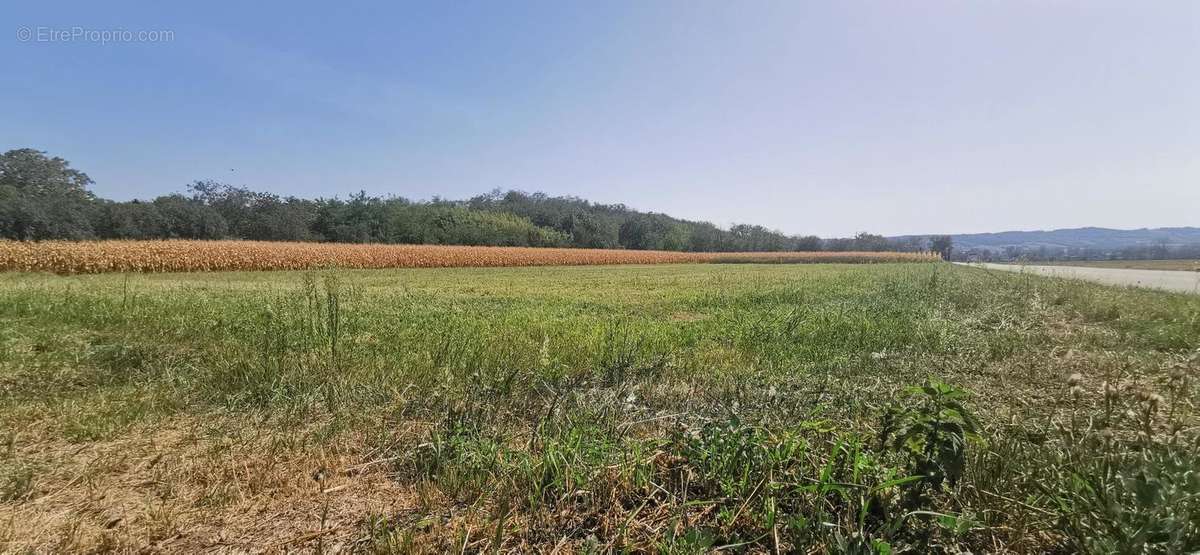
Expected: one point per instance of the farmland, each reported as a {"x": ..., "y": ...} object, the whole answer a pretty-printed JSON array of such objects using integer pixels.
[
  {"x": 90, "y": 257},
  {"x": 676, "y": 408},
  {"x": 1184, "y": 265}
]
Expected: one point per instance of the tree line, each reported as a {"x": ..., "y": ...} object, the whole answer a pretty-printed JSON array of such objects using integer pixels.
[
  {"x": 1160, "y": 250},
  {"x": 42, "y": 197}
]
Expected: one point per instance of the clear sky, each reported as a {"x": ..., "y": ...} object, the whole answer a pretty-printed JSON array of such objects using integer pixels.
[{"x": 810, "y": 117}]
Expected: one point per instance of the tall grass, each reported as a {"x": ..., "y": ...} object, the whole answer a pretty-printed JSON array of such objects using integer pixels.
[{"x": 867, "y": 409}]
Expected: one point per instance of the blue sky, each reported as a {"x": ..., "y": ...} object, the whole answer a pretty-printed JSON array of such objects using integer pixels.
[{"x": 827, "y": 118}]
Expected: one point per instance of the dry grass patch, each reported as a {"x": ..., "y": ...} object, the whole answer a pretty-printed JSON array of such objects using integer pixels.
[{"x": 195, "y": 485}]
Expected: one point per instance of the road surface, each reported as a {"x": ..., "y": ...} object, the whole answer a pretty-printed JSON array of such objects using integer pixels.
[{"x": 1170, "y": 280}]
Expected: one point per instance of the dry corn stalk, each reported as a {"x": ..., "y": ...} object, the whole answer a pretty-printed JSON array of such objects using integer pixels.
[{"x": 90, "y": 257}]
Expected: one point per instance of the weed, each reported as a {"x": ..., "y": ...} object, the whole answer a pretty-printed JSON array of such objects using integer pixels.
[{"x": 932, "y": 428}]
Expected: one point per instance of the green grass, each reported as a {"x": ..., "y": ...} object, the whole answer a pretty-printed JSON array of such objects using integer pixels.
[{"x": 669, "y": 408}]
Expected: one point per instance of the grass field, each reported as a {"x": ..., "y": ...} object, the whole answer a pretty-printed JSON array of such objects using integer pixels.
[
  {"x": 759, "y": 408},
  {"x": 1185, "y": 265}
]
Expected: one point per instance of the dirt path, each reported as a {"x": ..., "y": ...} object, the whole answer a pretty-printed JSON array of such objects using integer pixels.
[{"x": 1170, "y": 280}]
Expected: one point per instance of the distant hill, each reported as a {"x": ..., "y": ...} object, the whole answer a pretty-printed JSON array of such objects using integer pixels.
[{"x": 1079, "y": 238}]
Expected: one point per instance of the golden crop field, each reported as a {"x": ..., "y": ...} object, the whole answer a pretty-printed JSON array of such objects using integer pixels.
[{"x": 92, "y": 257}]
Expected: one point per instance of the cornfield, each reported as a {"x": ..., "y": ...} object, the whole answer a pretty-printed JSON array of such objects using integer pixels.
[{"x": 91, "y": 257}]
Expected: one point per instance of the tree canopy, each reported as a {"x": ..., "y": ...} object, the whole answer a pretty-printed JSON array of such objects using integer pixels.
[{"x": 42, "y": 197}]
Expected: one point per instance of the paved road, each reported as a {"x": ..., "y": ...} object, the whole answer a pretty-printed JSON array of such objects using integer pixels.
[{"x": 1171, "y": 280}]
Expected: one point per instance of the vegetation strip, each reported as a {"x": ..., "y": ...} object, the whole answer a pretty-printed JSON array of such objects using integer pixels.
[
  {"x": 92, "y": 257},
  {"x": 891, "y": 408}
]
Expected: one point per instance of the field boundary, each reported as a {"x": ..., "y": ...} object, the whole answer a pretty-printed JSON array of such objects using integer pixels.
[
  {"x": 1178, "y": 281},
  {"x": 92, "y": 257}
]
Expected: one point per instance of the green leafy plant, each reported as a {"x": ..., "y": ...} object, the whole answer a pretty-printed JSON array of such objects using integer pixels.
[{"x": 932, "y": 427}]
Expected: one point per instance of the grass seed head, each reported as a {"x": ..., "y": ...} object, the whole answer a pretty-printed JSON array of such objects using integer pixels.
[{"x": 1154, "y": 400}]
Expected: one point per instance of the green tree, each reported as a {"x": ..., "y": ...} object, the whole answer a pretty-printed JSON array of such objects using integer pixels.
[
  {"x": 871, "y": 242},
  {"x": 44, "y": 198},
  {"x": 130, "y": 220},
  {"x": 808, "y": 243},
  {"x": 593, "y": 231},
  {"x": 189, "y": 219},
  {"x": 942, "y": 244}
]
